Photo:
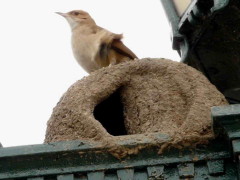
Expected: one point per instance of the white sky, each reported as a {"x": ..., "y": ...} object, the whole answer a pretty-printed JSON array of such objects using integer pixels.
[{"x": 36, "y": 61}]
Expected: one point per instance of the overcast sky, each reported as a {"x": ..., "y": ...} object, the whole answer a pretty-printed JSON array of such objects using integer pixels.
[{"x": 36, "y": 61}]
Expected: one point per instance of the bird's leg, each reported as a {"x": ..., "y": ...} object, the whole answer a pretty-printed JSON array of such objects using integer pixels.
[
  {"x": 112, "y": 57},
  {"x": 112, "y": 62}
]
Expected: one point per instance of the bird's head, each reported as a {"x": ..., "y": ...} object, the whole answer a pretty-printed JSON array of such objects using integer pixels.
[{"x": 77, "y": 17}]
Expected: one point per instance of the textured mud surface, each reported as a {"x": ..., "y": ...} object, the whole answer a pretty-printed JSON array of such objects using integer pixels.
[{"x": 158, "y": 95}]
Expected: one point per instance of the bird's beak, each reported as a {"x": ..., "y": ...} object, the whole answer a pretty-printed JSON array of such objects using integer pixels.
[{"x": 62, "y": 14}]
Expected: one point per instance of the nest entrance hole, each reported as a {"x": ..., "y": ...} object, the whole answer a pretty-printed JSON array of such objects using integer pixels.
[{"x": 110, "y": 114}]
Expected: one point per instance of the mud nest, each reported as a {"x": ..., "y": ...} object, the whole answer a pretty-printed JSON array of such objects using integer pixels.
[{"x": 137, "y": 97}]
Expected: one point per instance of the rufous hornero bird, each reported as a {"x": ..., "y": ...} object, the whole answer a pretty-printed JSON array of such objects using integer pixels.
[{"x": 95, "y": 47}]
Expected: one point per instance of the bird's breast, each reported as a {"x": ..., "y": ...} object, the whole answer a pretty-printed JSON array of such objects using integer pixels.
[{"x": 84, "y": 50}]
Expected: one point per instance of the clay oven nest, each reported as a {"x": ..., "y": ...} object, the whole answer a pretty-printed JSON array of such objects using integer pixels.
[{"x": 137, "y": 97}]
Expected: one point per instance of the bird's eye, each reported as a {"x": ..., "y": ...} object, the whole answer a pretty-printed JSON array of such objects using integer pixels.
[{"x": 76, "y": 13}]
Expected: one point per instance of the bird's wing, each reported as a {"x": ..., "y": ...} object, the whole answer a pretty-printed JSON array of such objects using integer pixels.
[
  {"x": 118, "y": 46},
  {"x": 112, "y": 40}
]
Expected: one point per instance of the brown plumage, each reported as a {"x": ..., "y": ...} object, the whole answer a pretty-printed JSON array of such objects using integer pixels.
[{"x": 95, "y": 47}]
